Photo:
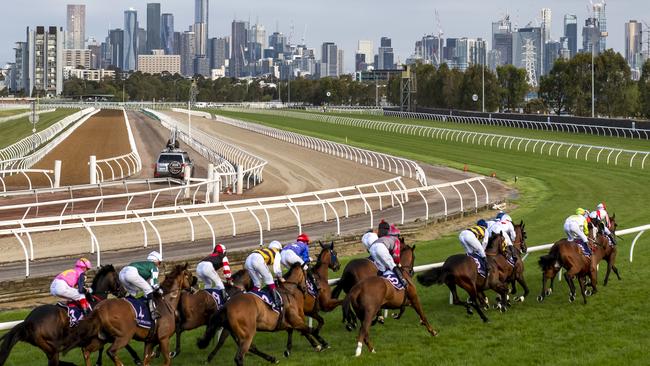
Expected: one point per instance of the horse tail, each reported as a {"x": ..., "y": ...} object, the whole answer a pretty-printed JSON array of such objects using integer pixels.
[
  {"x": 549, "y": 260},
  {"x": 9, "y": 340},
  {"x": 87, "y": 330},
  {"x": 432, "y": 276},
  {"x": 217, "y": 321},
  {"x": 349, "y": 317}
]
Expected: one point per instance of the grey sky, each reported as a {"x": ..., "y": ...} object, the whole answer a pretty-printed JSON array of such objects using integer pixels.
[{"x": 343, "y": 22}]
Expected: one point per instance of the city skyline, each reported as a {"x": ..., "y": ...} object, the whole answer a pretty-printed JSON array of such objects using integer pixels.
[{"x": 349, "y": 29}]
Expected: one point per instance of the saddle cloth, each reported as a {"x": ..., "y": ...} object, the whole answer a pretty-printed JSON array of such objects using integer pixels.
[
  {"x": 74, "y": 311},
  {"x": 479, "y": 264},
  {"x": 266, "y": 297},
  {"x": 583, "y": 248},
  {"x": 311, "y": 289},
  {"x": 390, "y": 277},
  {"x": 142, "y": 313},
  {"x": 214, "y": 293}
]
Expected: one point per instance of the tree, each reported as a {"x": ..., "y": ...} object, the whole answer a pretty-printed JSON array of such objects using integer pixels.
[
  {"x": 644, "y": 90},
  {"x": 612, "y": 80},
  {"x": 556, "y": 87},
  {"x": 579, "y": 95},
  {"x": 472, "y": 83},
  {"x": 513, "y": 86}
]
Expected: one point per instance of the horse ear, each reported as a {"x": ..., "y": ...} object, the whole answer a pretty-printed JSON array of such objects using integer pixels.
[
  {"x": 186, "y": 265},
  {"x": 521, "y": 223},
  {"x": 332, "y": 244},
  {"x": 413, "y": 248}
]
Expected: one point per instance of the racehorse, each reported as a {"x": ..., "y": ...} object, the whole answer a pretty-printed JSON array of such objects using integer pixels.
[
  {"x": 47, "y": 324},
  {"x": 461, "y": 270},
  {"x": 366, "y": 298},
  {"x": 115, "y": 318},
  {"x": 195, "y": 309},
  {"x": 245, "y": 314},
  {"x": 327, "y": 259},
  {"x": 610, "y": 250},
  {"x": 518, "y": 273}
]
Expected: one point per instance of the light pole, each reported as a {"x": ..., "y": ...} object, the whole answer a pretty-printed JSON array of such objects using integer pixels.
[
  {"x": 192, "y": 99},
  {"x": 593, "y": 109},
  {"x": 289, "y": 85},
  {"x": 483, "y": 87}
]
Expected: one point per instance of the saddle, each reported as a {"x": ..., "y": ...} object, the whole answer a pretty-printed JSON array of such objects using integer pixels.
[
  {"x": 393, "y": 280},
  {"x": 480, "y": 266},
  {"x": 268, "y": 299},
  {"x": 584, "y": 248},
  {"x": 74, "y": 312},
  {"x": 311, "y": 288},
  {"x": 142, "y": 314}
]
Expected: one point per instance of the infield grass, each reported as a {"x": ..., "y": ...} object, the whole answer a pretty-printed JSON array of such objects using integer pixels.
[
  {"x": 15, "y": 130},
  {"x": 12, "y": 112}
]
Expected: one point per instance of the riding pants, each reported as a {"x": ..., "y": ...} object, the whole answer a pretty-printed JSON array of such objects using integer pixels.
[
  {"x": 574, "y": 231},
  {"x": 206, "y": 273},
  {"x": 258, "y": 270},
  {"x": 60, "y": 288},
  {"x": 133, "y": 282},
  {"x": 471, "y": 244},
  {"x": 289, "y": 258},
  {"x": 382, "y": 258}
]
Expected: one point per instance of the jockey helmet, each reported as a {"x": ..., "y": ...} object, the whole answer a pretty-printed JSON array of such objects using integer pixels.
[
  {"x": 500, "y": 215},
  {"x": 275, "y": 245},
  {"x": 482, "y": 223},
  {"x": 219, "y": 249},
  {"x": 506, "y": 217},
  {"x": 83, "y": 263},
  {"x": 303, "y": 238},
  {"x": 580, "y": 211},
  {"x": 394, "y": 231},
  {"x": 601, "y": 206},
  {"x": 154, "y": 257},
  {"x": 368, "y": 238}
]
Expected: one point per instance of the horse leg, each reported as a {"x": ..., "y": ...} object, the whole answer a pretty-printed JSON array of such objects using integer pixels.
[
  {"x": 473, "y": 297},
  {"x": 581, "y": 281},
  {"x": 177, "y": 350},
  {"x": 164, "y": 349},
  {"x": 364, "y": 333},
  {"x": 522, "y": 281},
  {"x": 134, "y": 355},
  {"x": 222, "y": 339},
  {"x": 118, "y": 344},
  {"x": 415, "y": 303},
  {"x": 298, "y": 323},
  {"x": 594, "y": 280},
  {"x": 568, "y": 277},
  {"x": 254, "y": 350},
  {"x": 454, "y": 297},
  {"x": 316, "y": 332},
  {"x": 287, "y": 351},
  {"x": 242, "y": 349}
]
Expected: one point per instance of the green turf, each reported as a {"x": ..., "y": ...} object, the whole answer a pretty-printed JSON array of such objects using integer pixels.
[
  {"x": 15, "y": 130},
  {"x": 11, "y": 112},
  {"x": 611, "y": 329}
]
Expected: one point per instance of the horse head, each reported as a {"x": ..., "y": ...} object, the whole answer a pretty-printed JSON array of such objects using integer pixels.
[
  {"x": 106, "y": 282},
  {"x": 498, "y": 243},
  {"x": 521, "y": 236},
  {"x": 612, "y": 223},
  {"x": 328, "y": 256},
  {"x": 407, "y": 258},
  {"x": 180, "y": 278},
  {"x": 296, "y": 276}
]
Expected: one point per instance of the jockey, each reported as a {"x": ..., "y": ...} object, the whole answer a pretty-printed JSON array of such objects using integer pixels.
[
  {"x": 257, "y": 266},
  {"x": 143, "y": 276},
  {"x": 298, "y": 252},
  {"x": 385, "y": 251},
  {"x": 600, "y": 215},
  {"x": 367, "y": 239},
  {"x": 576, "y": 229},
  {"x": 207, "y": 268},
  {"x": 65, "y": 282},
  {"x": 471, "y": 239},
  {"x": 504, "y": 227}
]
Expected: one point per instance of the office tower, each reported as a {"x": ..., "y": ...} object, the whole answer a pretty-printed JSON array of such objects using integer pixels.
[
  {"x": 130, "y": 40},
  {"x": 201, "y": 10},
  {"x": 329, "y": 60},
  {"x": 340, "y": 56},
  {"x": 600, "y": 16},
  {"x": 188, "y": 52},
  {"x": 386, "y": 56},
  {"x": 365, "y": 48},
  {"x": 450, "y": 52},
  {"x": 502, "y": 41},
  {"x": 546, "y": 24},
  {"x": 178, "y": 36},
  {"x": 471, "y": 51},
  {"x": 115, "y": 48},
  {"x": 95, "y": 56},
  {"x": 552, "y": 51},
  {"x": 634, "y": 44},
  {"x": 77, "y": 59},
  {"x": 167, "y": 34},
  {"x": 527, "y": 52},
  {"x": 76, "y": 26},
  {"x": 571, "y": 33},
  {"x": 220, "y": 52},
  {"x": 158, "y": 62},
  {"x": 238, "y": 39},
  {"x": 142, "y": 42},
  {"x": 153, "y": 27},
  {"x": 45, "y": 48},
  {"x": 591, "y": 36},
  {"x": 21, "y": 68},
  {"x": 278, "y": 42}
]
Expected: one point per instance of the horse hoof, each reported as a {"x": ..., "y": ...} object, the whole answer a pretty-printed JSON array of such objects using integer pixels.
[
  {"x": 519, "y": 299},
  {"x": 486, "y": 320},
  {"x": 470, "y": 312},
  {"x": 572, "y": 298},
  {"x": 173, "y": 354},
  {"x": 318, "y": 348},
  {"x": 349, "y": 327},
  {"x": 588, "y": 293},
  {"x": 287, "y": 354},
  {"x": 373, "y": 351},
  {"x": 540, "y": 298},
  {"x": 275, "y": 361},
  {"x": 380, "y": 319},
  {"x": 549, "y": 292}
]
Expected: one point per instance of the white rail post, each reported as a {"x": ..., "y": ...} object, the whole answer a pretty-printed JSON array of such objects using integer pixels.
[
  {"x": 216, "y": 189},
  {"x": 187, "y": 171},
  {"x": 240, "y": 180},
  {"x": 209, "y": 188},
  {"x": 93, "y": 169},
  {"x": 57, "y": 173}
]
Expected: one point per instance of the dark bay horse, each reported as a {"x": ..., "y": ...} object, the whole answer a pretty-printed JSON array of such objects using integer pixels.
[
  {"x": 326, "y": 260},
  {"x": 48, "y": 324},
  {"x": 195, "y": 309},
  {"x": 520, "y": 249},
  {"x": 366, "y": 298},
  {"x": 245, "y": 314},
  {"x": 115, "y": 319},
  {"x": 461, "y": 270},
  {"x": 610, "y": 250}
]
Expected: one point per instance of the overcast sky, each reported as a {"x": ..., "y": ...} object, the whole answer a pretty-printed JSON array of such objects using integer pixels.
[{"x": 340, "y": 21}]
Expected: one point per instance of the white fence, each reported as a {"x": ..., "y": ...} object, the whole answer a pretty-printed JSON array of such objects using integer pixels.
[
  {"x": 10, "y": 156},
  {"x": 48, "y": 174},
  {"x": 392, "y": 164},
  {"x": 632, "y": 158},
  {"x": 25, "y": 114},
  {"x": 122, "y": 166}
]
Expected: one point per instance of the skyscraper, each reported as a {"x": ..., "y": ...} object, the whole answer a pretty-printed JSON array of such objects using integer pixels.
[
  {"x": 45, "y": 49},
  {"x": 591, "y": 36},
  {"x": 153, "y": 27},
  {"x": 201, "y": 9},
  {"x": 116, "y": 48},
  {"x": 21, "y": 72},
  {"x": 130, "y": 40},
  {"x": 76, "y": 37},
  {"x": 634, "y": 44},
  {"x": 329, "y": 60},
  {"x": 599, "y": 14},
  {"x": 220, "y": 52},
  {"x": 238, "y": 39},
  {"x": 502, "y": 41},
  {"x": 546, "y": 24},
  {"x": 571, "y": 33},
  {"x": 188, "y": 52},
  {"x": 142, "y": 43},
  {"x": 386, "y": 59},
  {"x": 366, "y": 48},
  {"x": 167, "y": 34}
]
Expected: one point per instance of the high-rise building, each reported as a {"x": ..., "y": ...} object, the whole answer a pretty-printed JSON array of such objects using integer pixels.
[
  {"x": 178, "y": 36},
  {"x": 142, "y": 42},
  {"x": 340, "y": 57},
  {"x": 386, "y": 59},
  {"x": 158, "y": 62},
  {"x": 546, "y": 24},
  {"x": 167, "y": 34},
  {"x": 502, "y": 41},
  {"x": 427, "y": 49},
  {"x": 130, "y": 40},
  {"x": 220, "y": 52},
  {"x": 600, "y": 16},
  {"x": 115, "y": 48},
  {"x": 552, "y": 51},
  {"x": 187, "y": 53},
  {"x": 450, "y": 52},
  {"x": 76, "y": 37},
  {"x": 238, "y": 40},
  {"x": 45, "y": 48},
  {"x": 634, "y": 44},
  {"x": 591, "y": 36},
  {"x": 278, "y": 42},
  {"x": 571, "y": 33},
  {"x": 527, "y": 52},
  {"x": 470, "y": 52},
  {"x": 76, "y": 58},
  {"x": 95, "y": 56},
  {"x": 329, "y": 60},
  {"x": 21, "y": 71},
  {"x": 153, "y": 27},
  {"x": 201, "y": 10},
  {"x": 365, "y": 48}
]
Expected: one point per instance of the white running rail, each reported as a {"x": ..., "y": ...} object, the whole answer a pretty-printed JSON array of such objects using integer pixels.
[
  {"x": 25, "y": 114},
  {"x": 122, "y": 166},
  {"x": 49, "y": 174}
]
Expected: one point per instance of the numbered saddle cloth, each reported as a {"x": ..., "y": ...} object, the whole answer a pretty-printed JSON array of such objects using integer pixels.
[
  {"x": 74, "y": 311},
  {"x": 311, "y": 288},
  {"x": 480, "y": 267},
  {"x": 267, "y": 298},
  {"x": 390, "y": 277},
  {"x": 141, "y": 309},
  {"x": 214, "y": 293},
  {"x": 584, "y": 248}
]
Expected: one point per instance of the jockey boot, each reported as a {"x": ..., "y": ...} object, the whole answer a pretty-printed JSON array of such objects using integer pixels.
[
  {"x": 400, "y": 276},
  {"x": 277, "y": 300},
  {"x": 486, "y": 267},
  {"x": 152, "y": 307},
  {"x": 612, "y": 238},
  {"x": 85, "y": 306},
  {"x": 224, "y": 295}
]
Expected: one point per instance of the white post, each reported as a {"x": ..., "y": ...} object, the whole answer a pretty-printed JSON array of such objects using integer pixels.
[
  {"x": 240, "y": 180},
  {"x": 209, "y": 187},
  {"x": 186, "y": 179},
  {"x": 216, "y": 188},
  {"x": 57, "y": 173},
  {"x": 93, "y": 169}
]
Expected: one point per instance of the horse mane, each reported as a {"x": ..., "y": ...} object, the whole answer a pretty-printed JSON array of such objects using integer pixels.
[
  {"x": 169, "y": 278},
  {"x": 238, "y": 275},
  {"x": 103, "y": 271},
  {"x": 490, "y": 244},
  {"x": 293, "y": 266}
]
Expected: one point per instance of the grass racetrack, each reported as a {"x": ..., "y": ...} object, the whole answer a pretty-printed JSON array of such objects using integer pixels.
[
  {"x": 12, "y": 112},
  {"x": 610, "y": 329},
  {"x": 15, "y": 130}
]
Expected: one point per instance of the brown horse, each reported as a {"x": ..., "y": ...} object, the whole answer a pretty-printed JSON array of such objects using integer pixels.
[
  {"x": 47, "y": 324},
  {"x": 327, "y": 259},
  {"x": 610, "y": 251},
  {"x": 195, "y": 309},
  {"x": 115, "y": 319},
  {"x": 520, "y": 249},
  {"x": 245, "y": 314},
  {"x": 461, "y": 270},
  {"x": 367, "y": 297}
]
